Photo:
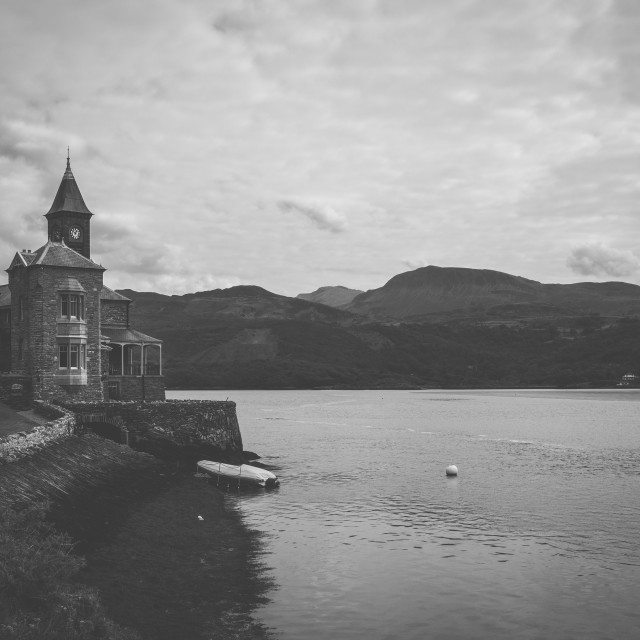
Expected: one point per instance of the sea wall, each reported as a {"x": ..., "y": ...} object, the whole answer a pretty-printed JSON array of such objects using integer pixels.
[
  {"x": 172, "y": 429},
  {"x": 61, "y": 425},
  {"x": 168, "y": 429}
]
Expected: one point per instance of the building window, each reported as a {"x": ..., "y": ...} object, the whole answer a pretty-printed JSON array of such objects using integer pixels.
[
  {"x": 72, "y": 356},
  {"x": 72, "y": 306},
  {"x": 63, "y": 361},
  {"x": 21, "y": 308}
]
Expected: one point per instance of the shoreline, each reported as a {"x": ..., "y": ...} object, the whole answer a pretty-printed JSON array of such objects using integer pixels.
[{"x": 158, "y": 569}]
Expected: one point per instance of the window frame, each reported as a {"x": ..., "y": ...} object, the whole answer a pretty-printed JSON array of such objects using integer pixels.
[
  {"x": 72, "y": 306},
  {"x": 63, "y": 349}
]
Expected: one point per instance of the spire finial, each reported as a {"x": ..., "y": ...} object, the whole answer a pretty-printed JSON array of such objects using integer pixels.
[{"x": 68, "y": 160}]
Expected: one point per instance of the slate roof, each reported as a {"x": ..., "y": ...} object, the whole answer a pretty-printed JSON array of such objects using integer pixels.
[
  {"x": 127, "y": 335},
  {"x": 5, "y": 295},
  {"x": 68, "y": 197},
  {"x": 57, "y": 254},
  {"x": 110, "y": 294},
  {"x": 69, "y": 284}
]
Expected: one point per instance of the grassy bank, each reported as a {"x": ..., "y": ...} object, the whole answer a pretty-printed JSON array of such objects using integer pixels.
[
  {"x": 39, "y": 593},
  {"x": 123, "y": 543}
]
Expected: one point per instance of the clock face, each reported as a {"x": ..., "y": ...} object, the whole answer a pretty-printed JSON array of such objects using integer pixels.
[
  {"x": 74, "y": 233},
  {"x": 56, "y": 234}
]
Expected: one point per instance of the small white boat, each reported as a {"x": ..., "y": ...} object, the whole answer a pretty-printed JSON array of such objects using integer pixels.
[{"x": 243, "y": 473}]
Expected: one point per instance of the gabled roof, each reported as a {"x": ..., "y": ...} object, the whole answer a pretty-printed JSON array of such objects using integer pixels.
[
  {"x": 27, "y": 257},
  {"x": 5, "y": 295},
  {"x": 57, "y": 254},
  {"x": 127, "y": 335},
  {"x": 18, "y": 261},
  {"x": 110, "y": 294},
  {"x": 68, "y": 198}
]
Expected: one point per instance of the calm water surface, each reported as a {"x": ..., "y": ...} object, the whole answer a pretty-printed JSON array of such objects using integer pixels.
[{"x": 538, "y": 537}]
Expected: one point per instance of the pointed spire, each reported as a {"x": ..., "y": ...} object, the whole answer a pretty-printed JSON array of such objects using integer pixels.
[
  {"x": 68, "y": 197},
  {"x": 68, "y": 175}
]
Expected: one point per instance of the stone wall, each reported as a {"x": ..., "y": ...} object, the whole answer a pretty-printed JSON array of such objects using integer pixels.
[
  {"x": 114, "y": 313},
  {"x": 177, "y": 429},
  {"x": 137, "y": 387},
  {"x": 5, "y": 339},
  {"x": 34, "y": 336},
  {"x": 182, "y": 428},
  {"x": 18, "y": 398},
  {"x": 62, "y": 425}
]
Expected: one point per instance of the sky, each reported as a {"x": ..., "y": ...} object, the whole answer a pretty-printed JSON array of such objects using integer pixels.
[{"x": 294, "y": 144}]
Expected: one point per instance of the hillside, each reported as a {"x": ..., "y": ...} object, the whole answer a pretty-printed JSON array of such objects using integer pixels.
[
  {"x": 441, "y": 294},
  {"x": 247, "y": 337},
  {"x": 338, "y": 297}
]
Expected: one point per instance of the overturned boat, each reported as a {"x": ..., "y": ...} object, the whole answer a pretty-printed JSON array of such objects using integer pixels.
[{"x": 240, "y": 473}]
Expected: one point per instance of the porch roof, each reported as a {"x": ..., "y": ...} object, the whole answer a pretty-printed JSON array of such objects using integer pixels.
[{"x": 128, "y": 336}]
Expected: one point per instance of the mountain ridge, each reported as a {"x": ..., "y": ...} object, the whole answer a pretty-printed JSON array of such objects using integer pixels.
[
  {"x": 440, "y": 293},
  {"x": 482, "y": 329}
]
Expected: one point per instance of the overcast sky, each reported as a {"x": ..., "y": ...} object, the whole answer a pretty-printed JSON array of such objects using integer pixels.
[{"x": 294, "y": 144}]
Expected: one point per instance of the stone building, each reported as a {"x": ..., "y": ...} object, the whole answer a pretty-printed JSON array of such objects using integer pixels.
[{"x": 63, "y": 333}]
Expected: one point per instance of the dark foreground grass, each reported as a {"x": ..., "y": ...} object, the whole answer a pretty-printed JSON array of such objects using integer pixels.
[
  {"x": 162, "y": 571},
  {"x": 122, "y": 553},
  {"x": 39, "y": 597}
]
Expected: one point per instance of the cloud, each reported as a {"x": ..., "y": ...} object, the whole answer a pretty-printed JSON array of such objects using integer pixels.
[
  {"x": 415, "y": 263},
  {"x": 597, "y": 260},
  {"x": 461, "y": 130},
  {"x": 323, "y": 216}
]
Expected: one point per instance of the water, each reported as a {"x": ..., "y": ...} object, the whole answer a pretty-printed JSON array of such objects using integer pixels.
[{"x": 538, "y": 536}]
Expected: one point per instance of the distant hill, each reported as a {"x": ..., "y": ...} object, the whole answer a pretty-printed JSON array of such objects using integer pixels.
[
  {"x": 248, "y": 337},
  {"x": 338, "y": 297},
  {"x": 447, "y": 293}
]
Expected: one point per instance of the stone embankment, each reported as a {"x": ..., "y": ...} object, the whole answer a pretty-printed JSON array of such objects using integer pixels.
[
  {"x": 169, "y": 429},
  {"x": 68, "y": 468},
  {"x": 173, "y": 429},
  {"x": 62, "y": 454},
  {"x": 61, "y": 425},
  {"x": 160, "y": 569}
]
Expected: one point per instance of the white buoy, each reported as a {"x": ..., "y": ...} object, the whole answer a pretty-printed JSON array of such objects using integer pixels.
[{"x": 451, "y": 470}]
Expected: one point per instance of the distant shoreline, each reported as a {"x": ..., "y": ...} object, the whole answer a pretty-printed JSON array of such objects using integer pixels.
[{"x": 404, "y": 388}]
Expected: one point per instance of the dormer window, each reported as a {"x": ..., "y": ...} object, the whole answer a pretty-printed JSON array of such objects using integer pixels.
[{"x": 72, "y": 306}]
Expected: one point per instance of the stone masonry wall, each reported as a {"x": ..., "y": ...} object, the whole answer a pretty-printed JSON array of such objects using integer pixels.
[
  {"x": 114, "y": 313},
  {"x": 62, "y": 425},
  {"x": 136, "y": 387},
  {"x": 185, "y": 423},
  {"x": 21, "y": 397},
  {"x": 38, "y": 329}
]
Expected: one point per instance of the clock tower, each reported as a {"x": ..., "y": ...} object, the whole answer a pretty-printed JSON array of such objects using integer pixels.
[{"x": 69, "y": 218}]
